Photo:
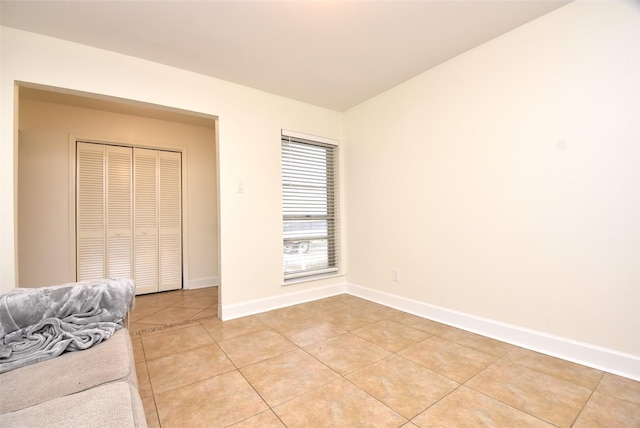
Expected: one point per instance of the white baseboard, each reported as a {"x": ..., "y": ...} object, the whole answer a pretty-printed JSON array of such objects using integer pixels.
[
  {"x": 252, "y": 307},
  {"x": 608, "y": 360},
  {"x": 600, "y": 358},
  {"x": 203, "y": 283}
]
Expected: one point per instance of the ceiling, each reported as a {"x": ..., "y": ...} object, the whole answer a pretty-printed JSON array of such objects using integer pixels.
[{"x": 333, "y": 54}]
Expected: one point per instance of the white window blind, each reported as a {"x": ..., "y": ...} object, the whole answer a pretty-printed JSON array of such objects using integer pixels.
[{"x": 309, "y": 205}]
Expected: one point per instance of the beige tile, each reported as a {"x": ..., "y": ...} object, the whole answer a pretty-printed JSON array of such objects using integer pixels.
[
  {"x": 364, "y": 305},
  {"x": 157, "y": 299},
  {"x": 402, "y": 385},
  {"x": 346, "y": 353},
  {"x": 606, "y": 411},
  {"x": 322, "y": 307},
  {"x": 209, "y": 291},
  {"x": 349, "y": 320},
  {"x": 307, "y": 332},
  {"x": 565, "y": 370},
  {"x": 195, "y": 300},
  {"x": 254, "y": 347},
  {"x": 449, "y": 359},
  {"x": 150, "y": 412},
  {"x": 476, "y": 341},
  {"x": 422, "y": 324},
  {"x": 218, "y": 401},
  {"x": 338, "y": 404},
  {"x": 225, "y": 330},
  {"x": 153, "y": 329},
  {"x": 391, "y": 335},
  {"x": 138, "y": 350},
  {"x": 206, "y": 313},
  {"x": 148, "y": 300},
  {"x": 374, "y": 310},
  {"x": 546, "y": 397},
  {"x": 285, "y": 316},
  {"x": 467, "y": 408},
  {"x": 620, "y": 387},
  {"x": 144, "y": 384},
  {"x": 171, "y": 341},
  {"x": 210, "y": 323},
  {"x": 136, "y": 328},
  {"x": 344, "y": 298},
  {"x": 186, "y": 367},
  {"x": 266, "y": 419},
  {"x": 141, "y": 312},
  {"x": 288, "y": 375},
  {"x": 169, "y": 315}
]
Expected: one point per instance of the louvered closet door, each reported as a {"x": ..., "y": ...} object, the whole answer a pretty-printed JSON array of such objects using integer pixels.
[
  {"x": 119, "y": 215},
  {"x": 170, "y": 221},
  {"x": 103, "y": 211},
  {"x": 90, "y": 214},
  {"x": 129, "y": 215},
  {"x": 145, "y": 167}
]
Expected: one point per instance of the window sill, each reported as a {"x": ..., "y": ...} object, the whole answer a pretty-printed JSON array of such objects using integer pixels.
[{"x": 311, "y": 278}]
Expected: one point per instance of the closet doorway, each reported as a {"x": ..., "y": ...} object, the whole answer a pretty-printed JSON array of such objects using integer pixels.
[
  {"x": 128, "y": 215},
  {"x": 51, "y": 122}
]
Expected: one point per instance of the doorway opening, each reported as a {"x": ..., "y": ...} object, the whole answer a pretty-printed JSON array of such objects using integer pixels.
[{"x": 50, "y": 121}]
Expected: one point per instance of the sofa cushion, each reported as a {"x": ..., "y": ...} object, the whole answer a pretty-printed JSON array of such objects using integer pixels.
[
  {"x": 69, "y": 373},
  {"x": 115, "y": 404}
]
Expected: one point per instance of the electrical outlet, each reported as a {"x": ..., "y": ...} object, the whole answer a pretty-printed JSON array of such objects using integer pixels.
[{"x": 395, "y": 274}]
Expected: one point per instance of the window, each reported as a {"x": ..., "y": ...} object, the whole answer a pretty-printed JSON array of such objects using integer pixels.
[{"x": 309, "y": 205}]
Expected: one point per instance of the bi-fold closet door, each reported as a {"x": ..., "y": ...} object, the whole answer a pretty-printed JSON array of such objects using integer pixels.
[{"x": 129, "y": 215}]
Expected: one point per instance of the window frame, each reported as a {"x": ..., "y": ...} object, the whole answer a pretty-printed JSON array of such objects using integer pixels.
[{"x": 331, "y": 216}]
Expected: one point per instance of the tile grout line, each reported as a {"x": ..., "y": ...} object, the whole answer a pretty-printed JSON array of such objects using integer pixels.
[
  {"x": 162, "y": 327},
  {"x": 502, "y": 358},
  {"x": 139, "y": 333},
  {"x": 499, "y": 400},
  {"x": 237, "y": 369},
  {"x": 587, "y": 400}
]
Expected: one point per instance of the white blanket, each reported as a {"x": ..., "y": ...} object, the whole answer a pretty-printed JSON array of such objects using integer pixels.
[{"x": 41, "y": 323}]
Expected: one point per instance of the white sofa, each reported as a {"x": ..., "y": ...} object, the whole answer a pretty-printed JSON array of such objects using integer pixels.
[{"x": 96, "y": 387}]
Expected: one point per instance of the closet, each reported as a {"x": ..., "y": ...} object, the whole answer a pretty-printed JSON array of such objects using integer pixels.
[{"x": 129, "y": 215}]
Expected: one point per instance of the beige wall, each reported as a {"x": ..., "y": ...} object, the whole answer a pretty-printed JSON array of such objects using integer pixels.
[
  {"x": 43, "y": 185},
  {"x": 43, "y": 209},
  {"x": 505, "y": 183},
  {"x": 248, "y": 149}
]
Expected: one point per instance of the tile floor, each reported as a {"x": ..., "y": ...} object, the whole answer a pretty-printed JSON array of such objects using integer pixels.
[{"x": 348, "y": 362}]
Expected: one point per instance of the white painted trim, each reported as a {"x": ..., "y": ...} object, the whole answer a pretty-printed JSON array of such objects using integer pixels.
[
  {"x": 216, "y": 143},
  {"x": 184, "y": 162},
  {"x": 72, "y": 209},
  {"x": 211, "y": 281},
  {"x": 605, "y": 359},
  {"x": 252, "y": 307},
  {"x": 302, "y": 135}
]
